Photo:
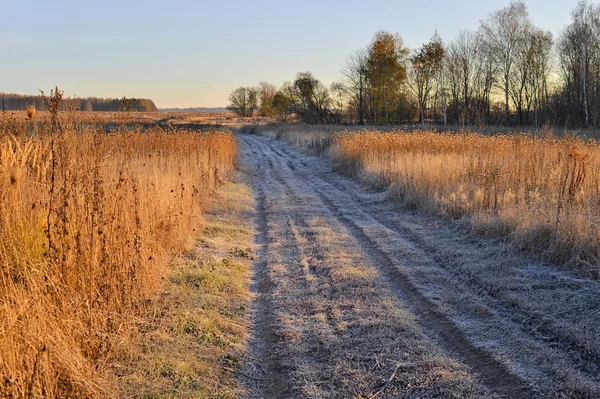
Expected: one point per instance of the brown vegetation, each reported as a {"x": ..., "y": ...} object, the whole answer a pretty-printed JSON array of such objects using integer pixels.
[
  {"x": 543, "y": 191},
  {"x": 176, "y": 119},
  {"x": 30, "y": 112},
  {"x": 87, "y": 224},
  {"x": 192, "y": 345}
]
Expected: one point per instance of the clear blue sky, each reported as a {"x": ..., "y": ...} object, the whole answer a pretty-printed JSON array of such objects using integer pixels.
[{"x": 192, "y": 53}]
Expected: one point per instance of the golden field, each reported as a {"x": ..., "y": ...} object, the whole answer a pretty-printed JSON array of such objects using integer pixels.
[
  {"x": 88, "y": 224},
  {"x": 181, "y": 119},
  {"x": 543, "y": 191}
]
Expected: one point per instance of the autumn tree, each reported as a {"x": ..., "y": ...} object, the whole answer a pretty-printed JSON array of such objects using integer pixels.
[{"x": 386, "y": 73}]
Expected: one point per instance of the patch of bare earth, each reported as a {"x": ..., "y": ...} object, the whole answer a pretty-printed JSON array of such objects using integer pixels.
[
  {"x": 330, "y": 320},
  {"x": 193, "y": 344}
]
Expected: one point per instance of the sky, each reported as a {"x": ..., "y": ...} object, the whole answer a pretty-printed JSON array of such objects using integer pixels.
[{"x": 193, "y": 53}]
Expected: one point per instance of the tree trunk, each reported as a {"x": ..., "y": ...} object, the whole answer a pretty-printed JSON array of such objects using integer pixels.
[
  {"x": 506, "y": 76},
  {"x": 361, "y": 103},
  {"x": 585, "y": 96}
]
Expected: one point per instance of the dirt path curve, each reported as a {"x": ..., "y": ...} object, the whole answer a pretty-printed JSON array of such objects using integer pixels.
[{"x": 356, "y": 298}]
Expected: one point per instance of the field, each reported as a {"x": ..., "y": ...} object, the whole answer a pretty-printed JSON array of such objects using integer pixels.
[
  {"x": 544, "y": 192},
  {"x": 165, "y": 119},
  {"x": 175, "y": 258},
  {"x": 89, "y": 223}
]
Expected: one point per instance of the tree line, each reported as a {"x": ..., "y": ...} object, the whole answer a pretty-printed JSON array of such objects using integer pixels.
[
  {"x": 508, "y": 71},
  {"x": 20, "y": 102}
]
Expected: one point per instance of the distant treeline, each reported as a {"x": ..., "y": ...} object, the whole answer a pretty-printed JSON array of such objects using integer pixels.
[
  {"x": 507, "y": 72},
  {"x": 20, "y": 102}
]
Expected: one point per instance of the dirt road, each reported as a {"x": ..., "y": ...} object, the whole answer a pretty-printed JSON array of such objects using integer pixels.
[{"x": 358, "y": 298}]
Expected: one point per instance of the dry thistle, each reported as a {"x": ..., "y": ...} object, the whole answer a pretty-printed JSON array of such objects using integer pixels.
[
  {"x": 577, "y": 155},
  {"x": 15, "y": 177},
  {"x": 31, "y": 111},
  {"x": 53, "y": 103},
  {"x": 578, "y": 173}
]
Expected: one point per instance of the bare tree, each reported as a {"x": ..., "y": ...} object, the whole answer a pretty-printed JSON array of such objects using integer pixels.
[
  {"x": 584, "y": 38},
  {"x": 583, "y": 23},
  {"x": 465, "y": 74},
  {"x": 539, "y": 65},
  {"x": 504, "y": 33},
  {"x": 356, "y": 80},
  {"x": 425, "y": 64},
  {"x": 578, "y": 100},
  {"x": 243, "y": 101}
]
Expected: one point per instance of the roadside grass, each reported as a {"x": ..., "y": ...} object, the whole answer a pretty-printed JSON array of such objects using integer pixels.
[
  {"x": 193, "y": 343},
  {"x": 88, "y": 223}
]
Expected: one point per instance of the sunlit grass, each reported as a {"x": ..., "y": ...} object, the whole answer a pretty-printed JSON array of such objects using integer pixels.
[
  {"x": 544, "y": 191},
  {"x": 88, "y": 222}
]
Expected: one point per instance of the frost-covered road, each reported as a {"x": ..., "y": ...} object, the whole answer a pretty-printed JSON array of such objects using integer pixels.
[{"x": 358, "y": 298}]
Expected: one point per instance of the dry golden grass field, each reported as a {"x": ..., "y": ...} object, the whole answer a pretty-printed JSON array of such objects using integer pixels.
[
  {"x": 172, "y": 258},
  {"x": 88, "y": 225},
  {"x": 227, "y": 119}
]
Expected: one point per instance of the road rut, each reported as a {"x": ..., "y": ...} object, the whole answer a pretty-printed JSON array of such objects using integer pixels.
[{"x": 356, "y": 300}]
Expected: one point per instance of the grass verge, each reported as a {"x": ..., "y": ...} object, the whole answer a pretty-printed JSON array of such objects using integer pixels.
[
  {"x": 193, "y": 343},
  {"x": 88, "y": 224}
]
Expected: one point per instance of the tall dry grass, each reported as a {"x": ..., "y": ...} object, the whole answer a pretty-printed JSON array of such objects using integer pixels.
[
  {"x": 87, "y": 224},
  {"x": 543, "y": 191}
]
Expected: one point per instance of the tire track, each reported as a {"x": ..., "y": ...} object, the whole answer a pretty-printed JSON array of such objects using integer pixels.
[
  {"x": 264, "y": 337},
  {"x": 573, "y": 361},
  {"x": 328, "y": 324},
  {"x": 493, "y": 374},
  {"x": 295, "y": 226},
  {"x": 536, "y": 324},
  {"x": 276, "y": 360}
]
